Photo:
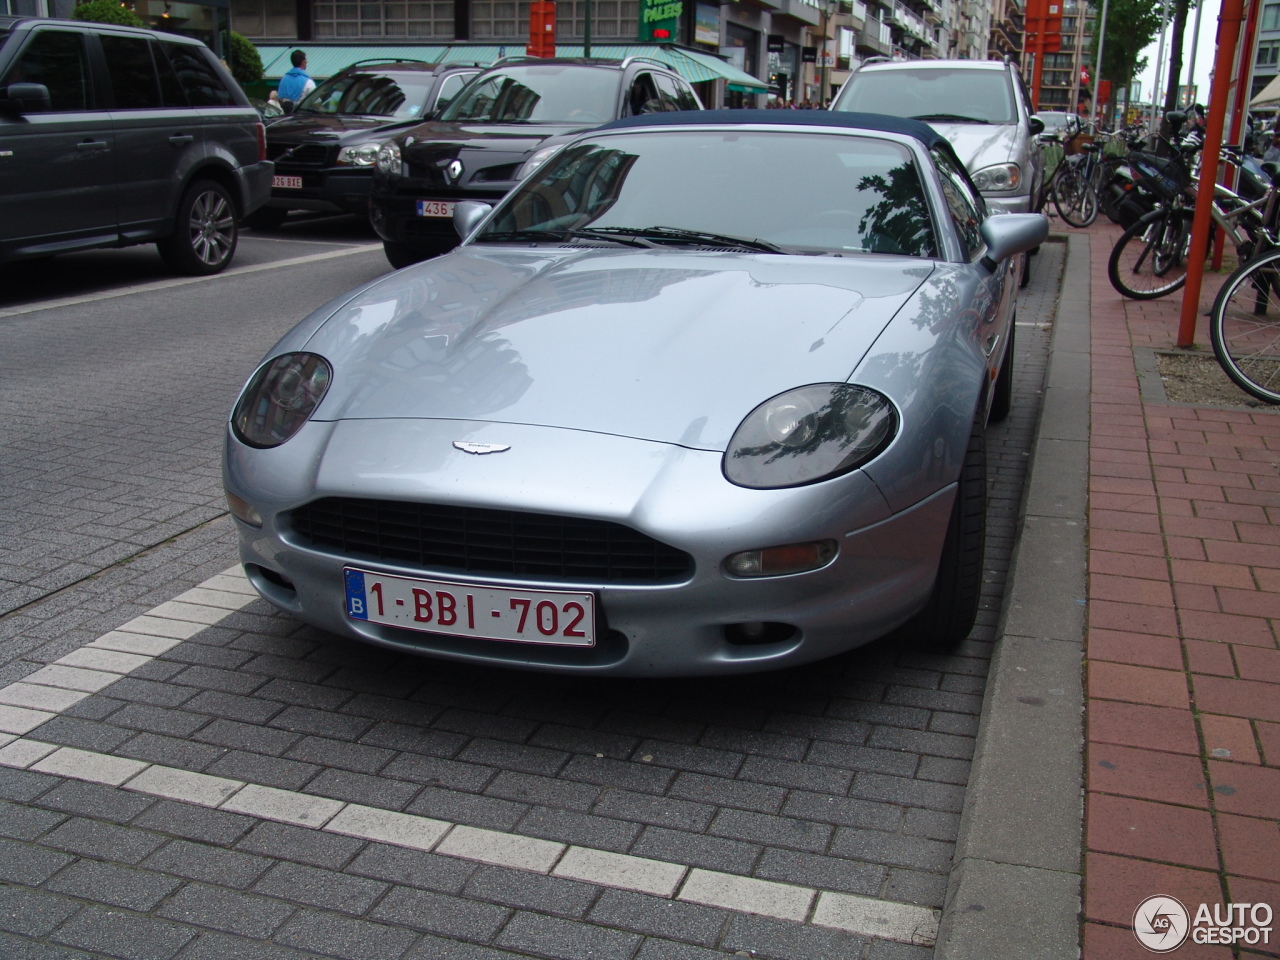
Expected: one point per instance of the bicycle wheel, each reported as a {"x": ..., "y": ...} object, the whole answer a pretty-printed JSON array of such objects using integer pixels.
[
  {"x": 1150, "y": 258},
  {"x": 1075, "y": 200},
  {"x": 1244, "y": 327}
]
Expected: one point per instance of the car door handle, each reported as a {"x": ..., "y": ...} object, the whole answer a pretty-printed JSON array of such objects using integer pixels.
[
  {"x": 92, "y": 145},
  {"x": 179, "y": 139}
]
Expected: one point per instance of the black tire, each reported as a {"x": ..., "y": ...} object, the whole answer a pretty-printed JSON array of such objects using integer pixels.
[
  {"x": 1025, "y": 278},
  {"x": 266, "y": 218},
  {"x": 1150, "y": 258},
  {"x": 204, "y": 231},
  {"x": 1075, "y": 200},
  {"x": 1002, "y": 392},
  {"x": 947, "y": 618},
  {"x": 1244, "y": 327},
  {"x": 406, "y": 254}
]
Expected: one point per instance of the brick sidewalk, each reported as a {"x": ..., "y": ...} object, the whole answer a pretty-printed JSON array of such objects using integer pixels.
[{"x": 1182, "y": 668}]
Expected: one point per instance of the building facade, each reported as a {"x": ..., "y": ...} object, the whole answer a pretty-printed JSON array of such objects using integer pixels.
[{"x": 1066, "y": 82}]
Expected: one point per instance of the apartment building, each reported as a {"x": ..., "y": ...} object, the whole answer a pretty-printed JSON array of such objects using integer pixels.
[{"x": 1061, "y": 86}]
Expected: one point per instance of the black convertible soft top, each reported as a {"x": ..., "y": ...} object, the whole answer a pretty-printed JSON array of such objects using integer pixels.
[{"x": 878, "y": 122}]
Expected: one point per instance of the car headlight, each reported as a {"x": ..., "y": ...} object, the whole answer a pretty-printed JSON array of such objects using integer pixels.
[
  {"x": 1002, "y": 178},
  {"x": 809, "y": 434},
  {"x": 389, "y": 157},
  {"x": 538, "y": 158},
  {"x": 279, "y": 398},
  {"x": 362, "y": 155}
]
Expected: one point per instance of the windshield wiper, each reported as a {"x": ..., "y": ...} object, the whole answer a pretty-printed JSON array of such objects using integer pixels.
[
  {"x": 559, "y": 236},
  {"x": 679, "y": 234},
  {"x": 949, "y": 118}
]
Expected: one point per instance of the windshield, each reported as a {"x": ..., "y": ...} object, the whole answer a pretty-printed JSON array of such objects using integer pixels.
[
  {"x": 557, "y": 93},
  {"x": 856, "y": 195},
  {"x": 400, "y": 95},
  {"x": 938, "y": 94}
]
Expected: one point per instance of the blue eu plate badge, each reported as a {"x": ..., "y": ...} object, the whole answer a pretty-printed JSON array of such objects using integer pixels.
[{"x": 357, "y": 608}]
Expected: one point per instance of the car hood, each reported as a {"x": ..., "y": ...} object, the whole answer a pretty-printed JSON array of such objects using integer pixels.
[
  {"x": 980, "y": 145},
  {"x": 666, "y": 345},
  {"x": 328, "y": 128},
  {"x": 507, "y": 135}
]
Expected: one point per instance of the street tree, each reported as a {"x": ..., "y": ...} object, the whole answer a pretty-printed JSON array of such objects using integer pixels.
[{"x": 1131, "y": 26}]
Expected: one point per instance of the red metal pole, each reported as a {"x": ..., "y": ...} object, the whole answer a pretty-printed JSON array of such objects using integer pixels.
[
  {"x": 1243, "y": 82},
  {"x": 1229, "y": 20},
  {"x": 1035, "y": 13}
]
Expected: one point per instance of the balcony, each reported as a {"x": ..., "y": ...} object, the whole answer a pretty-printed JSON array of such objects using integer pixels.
[{"x": 870, "y": 40}]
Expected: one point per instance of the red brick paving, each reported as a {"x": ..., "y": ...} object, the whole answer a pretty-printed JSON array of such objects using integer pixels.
[{"x": 1182, "y": 662}]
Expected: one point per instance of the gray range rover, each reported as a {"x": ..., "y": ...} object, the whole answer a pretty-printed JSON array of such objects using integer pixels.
[{"x": 112, "y": 136}]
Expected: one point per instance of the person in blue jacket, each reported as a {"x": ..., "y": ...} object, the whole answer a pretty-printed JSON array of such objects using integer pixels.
[{"x": 297, "y": 83}]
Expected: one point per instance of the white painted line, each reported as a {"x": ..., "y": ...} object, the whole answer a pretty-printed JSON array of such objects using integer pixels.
[
  {"x": 20, "y": 720},
  {"x": 286, "y": 806},
  {"x": 864, "y": 916},
  {"x": 232, "y": 583},
  {"x": 133, "y": 643},
  {"x": 110, "y": 661},
  {"x": 156, "y": 627},
  {"x": 387, "y": 826},
  {"x": 72, "y": 678},
  {"x": 39, "y": 698},
  {"x": 167, "y": 284},
  {"x": 23, "y": 753},
  {"x": 210, "y": 597},
  {"x": 619, "y": 870},
  {"x": 198, "y": 788},
  {"x": 501, "y": 849},
  {"x": 868, "y": 917},
  {"x": 87, "y": 765},
  {"x": 747, "y": 895},
  {"x": 194, "y": 613}
]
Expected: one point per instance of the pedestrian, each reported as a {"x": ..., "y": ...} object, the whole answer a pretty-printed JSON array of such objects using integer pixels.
[
  {"x": 297, "y": 83},
  {"x": 1273, "y": 152}
]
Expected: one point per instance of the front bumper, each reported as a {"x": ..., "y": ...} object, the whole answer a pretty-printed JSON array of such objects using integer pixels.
[
  {"x": 394, "y": 215},
  {"x": 335, "y": 190},
  {"x": 882, "y": 575},
  {"x": 1009, "y": 204}
]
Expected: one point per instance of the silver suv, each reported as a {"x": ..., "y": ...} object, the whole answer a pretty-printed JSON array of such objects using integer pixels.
[
  {"x": 112, "y": 136},
  {"x": 981, "y": 107}
]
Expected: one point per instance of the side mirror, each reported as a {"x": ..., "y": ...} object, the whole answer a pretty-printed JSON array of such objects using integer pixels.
[
  {"x": 27, "y": 98},
  {"x": 467, "y": 215},
  {"x": 1037, "y": 126},
  {"x": 1012, "y": 233}
]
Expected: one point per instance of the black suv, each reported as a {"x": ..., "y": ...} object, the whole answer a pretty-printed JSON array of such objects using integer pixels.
[
  {"x": 495, "y": 132},
  {"x": 324, "y": 151},
  {"x": 112, "y": 136}
]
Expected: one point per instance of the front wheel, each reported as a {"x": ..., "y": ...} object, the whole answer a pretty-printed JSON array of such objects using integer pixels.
[
  {"x": 1244, "y": 327},
  {"x": 405, "y": 254},
  {"x": 1076, "y": 201},
  {"x": 204, "y": 234},
  {"x": 952, "y": 609},
  {"x": 1150, "y": 258}
]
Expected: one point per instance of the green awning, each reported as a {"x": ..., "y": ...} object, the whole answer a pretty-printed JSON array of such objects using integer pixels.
[{"x": 324, "y": 60}]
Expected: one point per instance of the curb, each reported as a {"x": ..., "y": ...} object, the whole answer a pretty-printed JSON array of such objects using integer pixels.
[{"x": 1014, "y": 890}]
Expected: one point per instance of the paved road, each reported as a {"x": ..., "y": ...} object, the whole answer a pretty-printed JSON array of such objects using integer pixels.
[{"x": 846, "y": 776}]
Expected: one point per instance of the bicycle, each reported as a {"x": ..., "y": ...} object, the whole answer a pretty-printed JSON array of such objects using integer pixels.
[
  {"x": 1244, "y": 324},
  {"x": 1150, "y": 258},
  {"x": 1077, "y": 192}
]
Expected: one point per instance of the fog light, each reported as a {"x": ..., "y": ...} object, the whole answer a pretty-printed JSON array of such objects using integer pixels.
[
  {"x": 243, "y": 511},
  {"x": 777, "y": 561}
]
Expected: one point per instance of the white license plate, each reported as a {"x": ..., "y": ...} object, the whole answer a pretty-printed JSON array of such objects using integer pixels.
[
  {"x": 435, "y": 208},
  {"x": 287, "y": 183},
  {"x": 555, "y": 617}
]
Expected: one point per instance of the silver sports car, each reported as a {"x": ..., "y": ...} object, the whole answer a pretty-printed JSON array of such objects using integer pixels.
[{"x": 706, "y": 393}]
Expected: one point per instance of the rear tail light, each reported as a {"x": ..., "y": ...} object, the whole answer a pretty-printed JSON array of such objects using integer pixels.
[{"x": 262, "y": 141}]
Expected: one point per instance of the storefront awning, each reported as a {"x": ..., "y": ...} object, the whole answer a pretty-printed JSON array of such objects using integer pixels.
[
  {"x": 1268, "y": 96},
  {"x": 324, "y": 60}
]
